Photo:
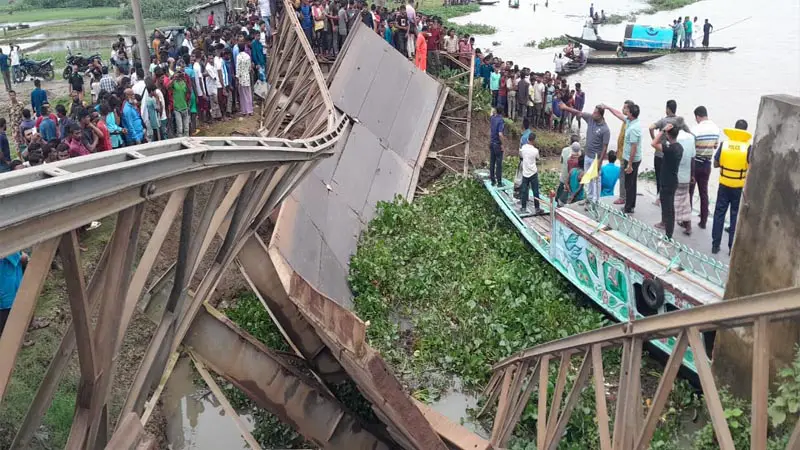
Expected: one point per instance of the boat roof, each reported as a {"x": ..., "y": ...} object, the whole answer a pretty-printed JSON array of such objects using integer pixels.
[{"x": 694, "y": 288}]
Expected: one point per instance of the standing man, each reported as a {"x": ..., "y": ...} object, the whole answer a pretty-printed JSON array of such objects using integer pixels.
[
  {"x": 706, "y": 141},
  {"x": 497, "y": 139},
  {"x": 681, "y": 33},
  {"x": 523, "y": 89},
  {"x": 707, "y": 28},
  {"x": 421, "y": 58},
  {"x": 341, "y": 24},
  {"x": 15, "y": 62},
  {"x": 677, "y": 122},
  {"x": 683, "y": 206},
  {"x": 181, "y": 96},
  {"x": 411, "y": 14},
  {"x": 733, "y": 160},
  {"x": 15, "y": 116},
  {"x": 5, "y": 67},
  {"x": 530, "y": 176},
  {"x": 689, "y": 26},
  {"x": 131, "y": 120},
  {"x": 673, "y": 151},
  {"x": 538, "y": 102},
  {"x": 597, "y": 138},
  {"x": 620, "y": 146},
  {"x": 631, "y": 153},
  {"x": 580, "y": 102}
]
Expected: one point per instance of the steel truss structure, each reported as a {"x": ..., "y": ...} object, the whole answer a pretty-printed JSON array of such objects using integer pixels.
[
  {"x": 456, "y": 120},
  {"x": 515, "y": 378}
]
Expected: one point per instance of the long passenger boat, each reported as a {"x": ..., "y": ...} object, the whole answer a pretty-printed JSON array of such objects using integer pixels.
[{"x": 626, "y": 267}]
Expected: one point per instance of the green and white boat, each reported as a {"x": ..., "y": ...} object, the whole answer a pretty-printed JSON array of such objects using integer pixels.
[{"x": 627, "y": 267}]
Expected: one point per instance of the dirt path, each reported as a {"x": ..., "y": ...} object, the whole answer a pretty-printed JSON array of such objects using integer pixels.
[{"x": 58, "y": 88}]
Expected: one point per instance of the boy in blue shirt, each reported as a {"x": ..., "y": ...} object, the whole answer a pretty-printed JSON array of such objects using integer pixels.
[{"x": 609, "y": 175}]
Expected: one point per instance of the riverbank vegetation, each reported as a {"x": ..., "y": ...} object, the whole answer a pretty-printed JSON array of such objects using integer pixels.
[
  {"x": 666, "y": 5},
  {"x": 435, "y": 8}
]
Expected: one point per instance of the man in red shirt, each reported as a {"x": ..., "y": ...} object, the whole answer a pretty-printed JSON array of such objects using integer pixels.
[
  {"x": 75, "y": 142},
  {"x": 434, "y": 43},
  {"x": 104, "y": 143},
  {"x": 502, "y": 95}
]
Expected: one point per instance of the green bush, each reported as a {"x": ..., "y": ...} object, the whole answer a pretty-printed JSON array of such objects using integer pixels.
[
  {"x": 553, "y": 42},
  {"x": 157, "y": 9},
  {"x": 454, "y": 268}
]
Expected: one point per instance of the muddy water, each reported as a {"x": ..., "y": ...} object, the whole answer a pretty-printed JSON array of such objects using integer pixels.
[
  {"x": 730, "y": 85},
  {"x": 195, "y": 419}
]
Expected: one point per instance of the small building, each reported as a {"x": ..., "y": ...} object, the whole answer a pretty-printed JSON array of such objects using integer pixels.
[{"x": 198, "y": 14}]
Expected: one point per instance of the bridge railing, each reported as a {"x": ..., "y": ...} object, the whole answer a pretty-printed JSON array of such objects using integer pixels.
[
  {"x": 677, "y": 253},
  {"x": 515, "y": 379}
]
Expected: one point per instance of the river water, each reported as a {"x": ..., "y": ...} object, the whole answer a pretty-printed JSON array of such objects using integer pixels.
[{"x": 730, "y": 85}]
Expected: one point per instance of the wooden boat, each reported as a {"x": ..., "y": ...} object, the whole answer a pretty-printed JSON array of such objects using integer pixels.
[
  {"x": 610, "y": 46},
  {"x": 571, "y": 68},
  {"x": 487, "y": 2},
  {"x": 513, "y": 5},
  {"x": 617, "y": 260},
  {"x": 625, "y": 60}
]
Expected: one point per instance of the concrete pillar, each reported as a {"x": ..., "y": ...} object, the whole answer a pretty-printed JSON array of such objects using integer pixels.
[{"x": 766, "y": 250}]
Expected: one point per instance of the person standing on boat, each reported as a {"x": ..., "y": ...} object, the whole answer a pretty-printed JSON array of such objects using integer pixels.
[
  {"x": 591, "y": 10},
  {"x": 681, "y": 33},
  {"x": 530, "y": 176},
  {"x": 733, "y": 160},
  {"x": 707, "y": 28},
  {"x": 631, "y": 153},
  {"x": 674, "y": 33},
  {"x": 538, "y": 102},
  {"x": 597, "y": 137},
  {"x": 496, "y": 141},
  {"x": 683, "y": 206},
  {"x": 706, "y": 141},
  {"x": 689, "y": 26},
  {"x": 673, "y": 151},
  {"x": 676, "y": 121},
  {"x": 620, "y": 147}
]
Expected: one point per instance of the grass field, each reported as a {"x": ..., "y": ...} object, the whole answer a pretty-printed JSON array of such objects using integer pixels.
[{"x": 38, "y": 15}]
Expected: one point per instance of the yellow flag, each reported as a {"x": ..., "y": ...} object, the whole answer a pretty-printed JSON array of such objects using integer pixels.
[{"x": 590, "y": 174}]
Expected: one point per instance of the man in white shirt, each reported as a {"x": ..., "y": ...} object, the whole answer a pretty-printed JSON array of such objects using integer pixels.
[
  {"x": 559, "y": 63},
  {"x": 538, "y": 103},
  {"x": 266, "y": 16},
  {"x": 530, "y": 176},
  {"x": 212, "y": 86},
  {"x": 706, "y": 142},
  {"x": 14, "y": 56},
  {"x": 222, "y": 81}
]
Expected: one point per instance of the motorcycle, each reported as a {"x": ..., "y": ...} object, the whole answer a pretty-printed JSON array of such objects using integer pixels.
[
  {"x": 36, "y": 69},
  {"x": 79, "y": 60}
]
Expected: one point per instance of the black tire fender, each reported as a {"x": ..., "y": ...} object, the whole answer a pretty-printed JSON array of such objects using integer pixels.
[{"x": 653, "y": 293}]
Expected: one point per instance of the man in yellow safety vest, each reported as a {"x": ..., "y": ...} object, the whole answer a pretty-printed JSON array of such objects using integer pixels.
[{"x": 733, "y": 159}]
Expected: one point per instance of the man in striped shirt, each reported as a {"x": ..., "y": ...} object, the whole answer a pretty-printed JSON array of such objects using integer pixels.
[{"x": 706, "y": 142}]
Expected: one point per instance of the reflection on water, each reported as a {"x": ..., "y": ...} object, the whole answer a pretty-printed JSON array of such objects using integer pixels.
[
  {"x": 197, "y": 421},
  {"x": 730, "y": 85},
  {"x": 454, "y": 404}
]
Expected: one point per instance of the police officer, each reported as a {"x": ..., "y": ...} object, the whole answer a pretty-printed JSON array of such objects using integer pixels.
[{"x": 733, "y": 160}]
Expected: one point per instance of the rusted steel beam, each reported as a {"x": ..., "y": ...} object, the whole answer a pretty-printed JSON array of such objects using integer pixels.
[
  {"x": 275, "y": 385},
  {"x": 260, "y": 273},
  {"x": 344, "y": 333}
]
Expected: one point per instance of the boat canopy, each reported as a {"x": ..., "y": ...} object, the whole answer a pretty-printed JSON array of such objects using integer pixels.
[{"x": 645, "y": 36}]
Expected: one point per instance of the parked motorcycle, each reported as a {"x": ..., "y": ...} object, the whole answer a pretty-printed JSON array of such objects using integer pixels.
[
  {"x": 36, "y": 69},
  {"x": 83, "y": 62}
]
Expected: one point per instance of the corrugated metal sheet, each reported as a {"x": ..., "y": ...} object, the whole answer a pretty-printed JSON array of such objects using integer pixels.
[{"x": 394, "y": 104}]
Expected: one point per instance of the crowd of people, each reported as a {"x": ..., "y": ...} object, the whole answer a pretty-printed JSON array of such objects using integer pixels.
[
  {"x": 208, "y": 77},
  {"x": 683, "y": 29},
  {"x": 683, "y": 160}
]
